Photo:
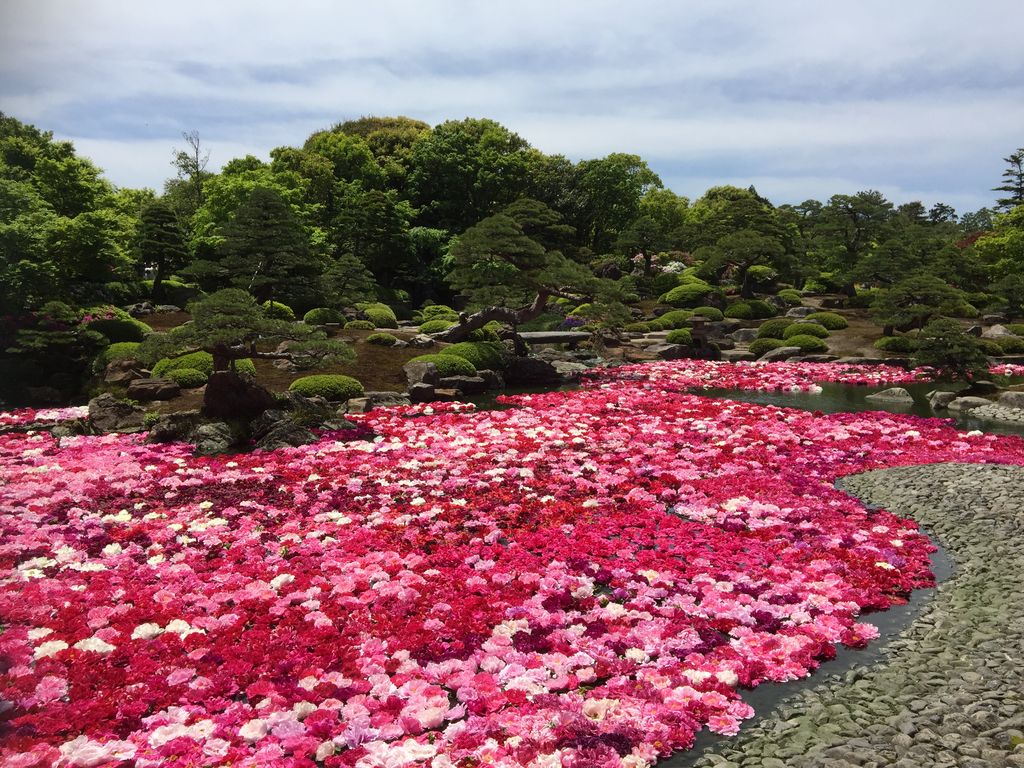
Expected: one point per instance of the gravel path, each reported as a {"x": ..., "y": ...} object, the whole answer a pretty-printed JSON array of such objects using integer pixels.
[{"x": 949, "y": 691}]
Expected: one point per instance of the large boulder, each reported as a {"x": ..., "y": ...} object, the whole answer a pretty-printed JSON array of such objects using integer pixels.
[
  {"x": 124, "y": 372},
  {"x": 421, "y": 393},
  {"x": 108, "y": 414},
  {"x": 1012, "y": 399},
  {"x": 373, "y": 400},
  {"x": 285, "y": 434},
  {"x": 940, "y": 398},
  {"x": 671, "y": 351},
  {"x": 737, "y": 356},
  {"x": 494, "y": 379},
  {"x": 147, "y": 390},
  {"x": 141, "y": 309},
  {"x": 419, "y": 372},
  {"x": 233, "y": 397},
  {"x": 967, "y": 403},
  {"x": 569, "y": 368},
  {"x": 819, "y": 358},
  {"x": 213, "y": 438},
  {"x": 799, "y": 312},
  {"x": 780, "y": 354},
  {"x": 996, "y": 332},
  {"x": 467, "y": 385},
  {"x": 175, "y": 427},
  {"x": 531, "y": 372},
  {"x": 893, "y": 395},
  {"x": 421, "y": 341},
  {"x": 744, "y": 335}
]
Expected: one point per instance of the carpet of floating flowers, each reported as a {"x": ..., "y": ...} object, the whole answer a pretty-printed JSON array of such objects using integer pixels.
[
  {"x": 42, "y": 415},
  {"x": 587, "y": 579}
]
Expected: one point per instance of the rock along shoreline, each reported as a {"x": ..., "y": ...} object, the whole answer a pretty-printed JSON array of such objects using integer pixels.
[{"x": 949, "y": 691}]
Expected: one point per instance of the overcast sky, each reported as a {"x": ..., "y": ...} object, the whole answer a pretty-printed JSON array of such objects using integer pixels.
[{"x": 920, "y": 99}]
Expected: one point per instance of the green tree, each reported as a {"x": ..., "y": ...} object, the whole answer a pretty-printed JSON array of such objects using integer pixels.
[
  {"x": 850, "y": 227},
  {"x": 914, "y": 301},
  {"x": 346, "y": 281},
  {"x": 734, "y": 254},
  {"x": 349, "y": 156},
  {"x": 1002, "y": 248},
  {"x": 161, "y": 244},
  {"x": 391, "y": 140},
  {"x": 944, "y": 345},
  {"x": 374, "y": 226},
  {"x": 1013, "y": 182},
  {"x": 609, "y": 190}
]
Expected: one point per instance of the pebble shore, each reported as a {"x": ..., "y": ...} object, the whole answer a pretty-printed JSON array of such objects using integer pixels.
[{"x": 949, "y": 691}]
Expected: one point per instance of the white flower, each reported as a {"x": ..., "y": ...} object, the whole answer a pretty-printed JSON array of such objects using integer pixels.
[
  {"x": 281, "y": 580},
  {"x": 49, "y": 648},
  {"x": 94, "y": 644},
  {"x": 885, "y": 566},
  {"x": 254, "y": 730},
  {"x": 112, "y": 549},
  {"x": 38, "y": 633},
  {"x": 636, "y": 654}
]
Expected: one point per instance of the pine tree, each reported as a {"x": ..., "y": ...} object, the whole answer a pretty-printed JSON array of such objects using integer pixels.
[
  {"x": 1013, "y": 182},
  {"x": 161, "y": 243}
]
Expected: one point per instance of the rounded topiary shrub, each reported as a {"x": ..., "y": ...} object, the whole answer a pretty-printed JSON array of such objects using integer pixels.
[
  {"x": 740, "y": 310},
  {"x": 901, "y": 344},
  {"x": 680, "y": 336},
  {"x": 693, "y": 294},
  {"x": 448, "y": 365},
  {"x": 121, "y": 329},
  {"x": 714, "y": 314},
  {"x": 246, "y": 366},
  {"x": 278, "y": 311},
  {"x": 830, "y": 320},
  {"x": 382, "y": 339},
  {"x": 187, "y": 378},
  {"x": 636, "y": 328},
  {"x": 483, "y": 334},
  {"x": 791, "y": 296},
  {"x": 677, "y": 318},
  {"x": 330, "y": 386},
  {"x": 1017, "y": 329},
  {"x": 659, "y": 325},
  {"x": 381, "y": 315},
  {"x": 990, "y": 347},
  {"x": 359, "y": 325},
  {"x": 806, "y": 329},
  {"x": 488, "y": 355},
  {"x": 438, "y": 311},
  {"x": 809, "y": 344},
  {"x": 200, "y": 361},
  {"x": 762, "y": 309},
  {"x": 774, "y": 329},
  {"x": 121, "y": 350},
  {"x": 759, "y": 346},
  {"x": 323, "y": 316},
  {"x": 1011, "y": 345},
  {"x": 436, "y": 326}
]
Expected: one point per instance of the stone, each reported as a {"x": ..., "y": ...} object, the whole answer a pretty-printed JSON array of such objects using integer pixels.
[
  {"x": 421, "y": 341},
  {"x": 167, "y": 308},
  {"x": 421, "y": 393},
  {"x": 993, "y": 318},
  {"x": 975, "y": 330},
  {"x": 372, "y": 400},
  {"x": 569, "y": 369},
  {"x": 266, "y": 422},
  {"x": 213, "y": 438},
  {"x": 494, "y": 379},
  {"x": 285, "y": 434},
  {"x": 233, "y": 397},
  {"x": 966, "y": 403},
  {"x": 447, "y": 395},
  {"x": 1012, "y": 399},
  {"x": 801, "y": 311},
  {"x": 108, "y": 414},
  {"x": 737, "y": 356},
  {"x": 670, "y": 351},
  {"x": 744, "y": 335},
  {"x": 819, "y": 358},
  {"x": 531, "y": 372},
  {"x": 141, "y": 309},
  {"x": 419, "y": 372},
  {"x": 982, "y": 387},
  {"x": 895, "y": 395},
  {"x": 174, "y": 427},
  {"x": 307, "y": 411},
  {"x": 45, "y": 395},
  {"x": 939, "y": 399},
  {"x": 467, "y": 385},
  {"x": 782, "y": 353},
  {"x": 996, "y": 332},
  {"x": 124, "y": 372},
  {"x": 147, "y": 390}
]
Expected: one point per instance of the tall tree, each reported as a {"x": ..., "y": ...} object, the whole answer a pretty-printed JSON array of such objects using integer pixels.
[
  {"x": 1013, "y": 182},
  {"x": 161, "y": 244},
  {"x": 850, "y": 227},
  {"x": 190, "y": 164},
  {"x": 609, "y": 191}
]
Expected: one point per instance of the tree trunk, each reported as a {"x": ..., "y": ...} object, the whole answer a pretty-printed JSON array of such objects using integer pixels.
[
  {"x": 476, "y": 321},
  {"x": 157, "y": 294}
]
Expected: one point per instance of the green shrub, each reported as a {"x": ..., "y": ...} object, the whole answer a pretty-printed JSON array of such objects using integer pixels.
[
  {"x": 900, "y": 344},
  {"x": 382, "y": 339},
  {"x": 581, "y": 310},
  {"x": 762, "y": 309},
  {"x": 990, "y": 347},
  {"x": 330, "y": 386},
  {"x": 806, "y": 329},
  {"x": 759, "y": 346},
  {"x": 436, "y": 326},
  {"x": 187, "y": 378},
  {"x": 637, "y": 328},
  {"x": 1017, "y": 329},
  {"x": 118, "y": 329},
  {"x": 482, "y": 354},
  {"x": 811, "y": 344},
  {"x": 692, "y": 294},
  {"x": 200, "y": 361},
  {"x": 1011, "y": 345},
  {"x": 484, "y": 334},
  {"x": 435, "y": 311},
  {"x": 830, "y": 320},
  {"x": 791, "y": 296},
  {"x": 774, "y": 329},
  {"x": 245, "y": 366},
  {"x": 175, "y": 291},
  {"x": 863, "y": 299},
  {"x": 121, "y": 350},
  {"x": 448, "y": 365},
  {"x": 959, "y": 309},
  {"x": 359, "y": 325},
  {"x": 278, "y": 311},
  {"x": 677, "y": 318},
  {"x": 762, "y": 274},
  {"x": 657, "y": 324},
  {"x": 740, "y": 310},
  {"x": 711, "y": 313},
  {"x": 680, "y": 336},
  {"x": 381, "y": 315},
  {"x": 323, "y": 316}
]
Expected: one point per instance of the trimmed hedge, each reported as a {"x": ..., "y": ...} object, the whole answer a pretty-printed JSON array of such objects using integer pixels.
[
  {"x": 359, "y": 325},
  {"x": 759, "y": 346},
  {"x": 1017, "y": 329},
  {"x": 278, "y": 311},
  {"x": 120, "y": 329},
  {"x": 714, "y": 314},
  {"x": 694, "y": 294},
  {"x": 436, "y": 325},
  {"x": 448, "y": 365},
  {"x": 990, "y": 347},
  {"x": 677, "y": 318},
  {"x": 763, "y": 309},
  {"x": 187, "y": 378},
  {"x": 830, "y": 320},
  {"x": 323, "y": 316},
  {"x": 330, "y": 386},
  {"x": 636, "y": 328},
  {"x": 121, "y": 350},
  {"x": 200, "y": 361},
  {"x": 382, "y": 339},
  {"x": 791, "y": 296},
  {"x": 1011, "y": 345},
  {"x": 807, "y": 343},
  {"x": 740, "y": 310},
  {"x": 774, "y": 329},
  {"x": 381, "y": 315},
  {"x": 680, "y": 336},
  {"x": 806, "y": 329},
  {"x": 900, "y": 344},
  {"x": 488, "y": 355},
  {"x": 438, "y": 311}
]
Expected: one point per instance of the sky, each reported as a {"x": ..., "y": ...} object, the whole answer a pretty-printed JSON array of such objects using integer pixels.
[{"x": 920, "y": 99}]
